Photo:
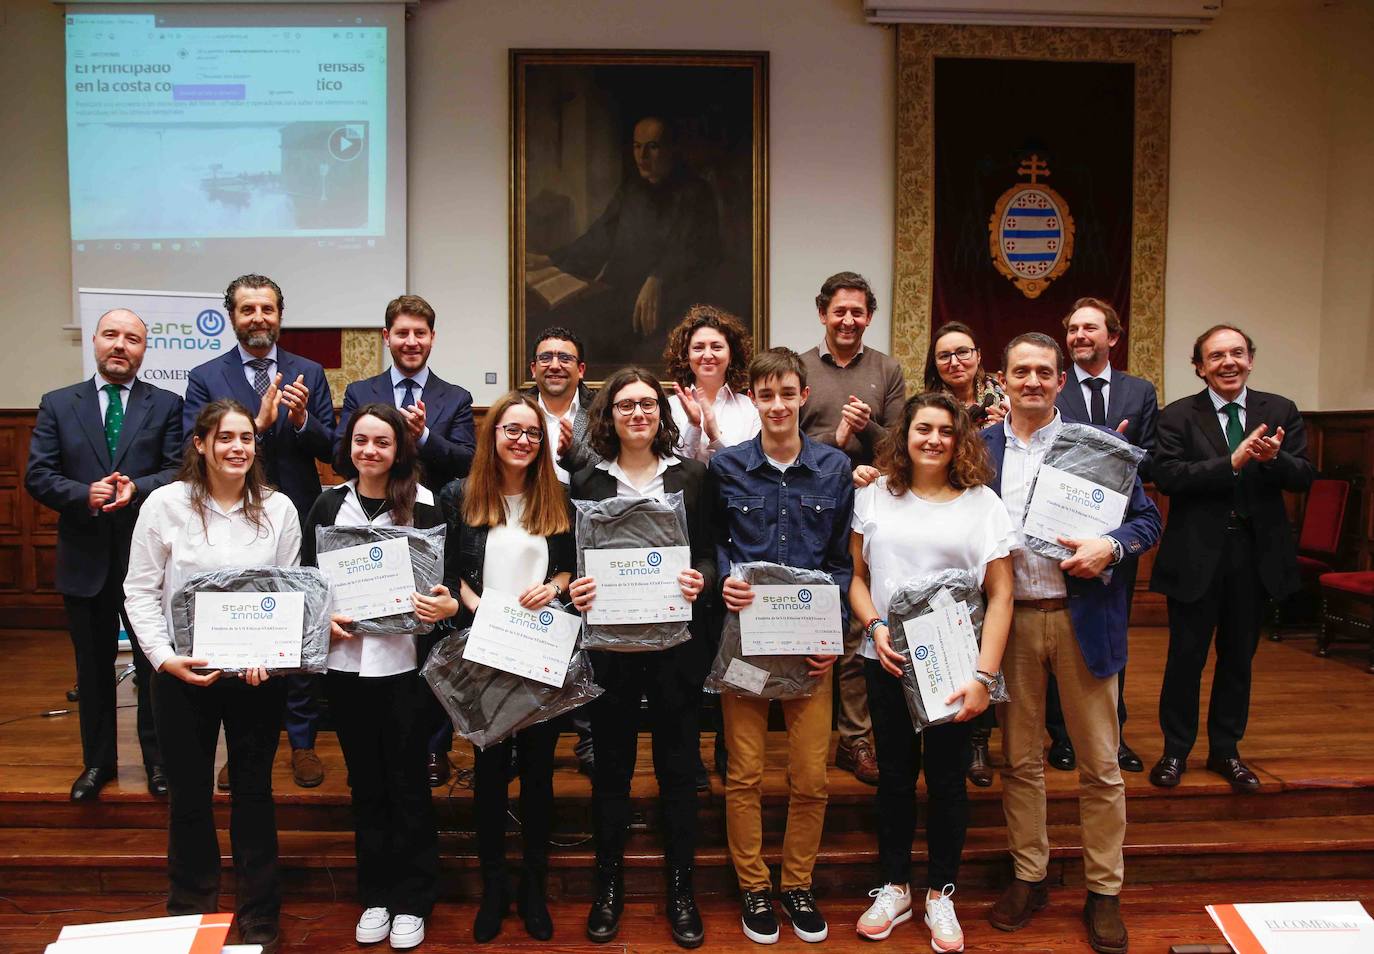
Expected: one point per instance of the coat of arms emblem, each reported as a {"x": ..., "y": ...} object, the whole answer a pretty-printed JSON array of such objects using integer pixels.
[{"x": 1030, "y": 233}]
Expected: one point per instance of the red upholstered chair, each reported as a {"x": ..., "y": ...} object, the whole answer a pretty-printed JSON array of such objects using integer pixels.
[
  {"x": 1318, "y": 540},
  {"x": 1347, "y": 601}
]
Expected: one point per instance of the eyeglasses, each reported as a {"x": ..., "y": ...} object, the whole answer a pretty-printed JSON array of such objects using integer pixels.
[
  {"x": 963, "y": 354},
  {"x": 514, "y": 432},
  {"x": 627, "y": 406},
  {"x": 547, "y": 358}
]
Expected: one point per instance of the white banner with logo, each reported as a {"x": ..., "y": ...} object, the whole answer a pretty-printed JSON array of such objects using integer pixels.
[{"x": 184, "y": 329}]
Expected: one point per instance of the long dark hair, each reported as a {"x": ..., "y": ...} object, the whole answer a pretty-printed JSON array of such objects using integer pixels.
[
  {"x": 968, "y": 467},
  {"x": 405, "y": 469},
  {"x": 933, "y": 381},
  {"x": 601, "y": 418},
  {"x": 195, "y": 474}
]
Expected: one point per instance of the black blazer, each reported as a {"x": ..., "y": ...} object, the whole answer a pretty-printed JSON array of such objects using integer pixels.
[
  {"x": 447, "y": 454},
  {"x": 67, "y": 454},
  {"x": 1129, "y": 398},
  {"x": 698, "y": 489},
  {"x": 1193, "y": 466}
]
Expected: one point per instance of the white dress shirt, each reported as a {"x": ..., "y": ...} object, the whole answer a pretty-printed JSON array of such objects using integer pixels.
[
  {"x": 1036, "y": 577},
  {"x": 551, "y": 431},
  {"x": 1083, "y": 379},
  {"x": 737, "y": 420},
  {"x": 104, "y": 396},
  {"x": 171, "y": 544},
  {"x": 421, "y": 378},
  {"x": 623, "y": 487},
  {"x": 1220, "y": 403}
]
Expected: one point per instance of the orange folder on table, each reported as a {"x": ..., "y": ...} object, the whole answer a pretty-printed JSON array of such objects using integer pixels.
[{"x": 189, "y": 934}]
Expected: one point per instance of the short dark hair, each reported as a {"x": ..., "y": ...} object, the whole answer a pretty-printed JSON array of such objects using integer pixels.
[
  {"x": 850, "y": 280},
  {"x": 1040, "y": 340},
  {"x": 252, "y": 281},
  {"x": 776, "y": 363},
  {"x": 561, "y": 334},
  {"x": 1202, "y": 339},
  {"x": 1108, "y": 313},
  {"x": 601, "y": 418},
  {"x": 412, "y": 305}
]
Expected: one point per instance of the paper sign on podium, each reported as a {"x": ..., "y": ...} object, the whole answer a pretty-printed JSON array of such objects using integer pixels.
[
  {"x": 189, "y": 934},
  {"x": 1297, "y": 927}
]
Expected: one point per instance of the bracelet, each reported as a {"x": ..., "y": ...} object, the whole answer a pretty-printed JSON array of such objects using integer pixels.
[{"x": 873, "y": 625}]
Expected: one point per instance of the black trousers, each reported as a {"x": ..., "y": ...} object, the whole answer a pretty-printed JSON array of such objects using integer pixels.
[
  {"x": 383, "y": 733},
  {"x": 899, "y": 753},
  {"x": 671, "y": 680},
  {"x": 188, "y": 723},
  {"x": 1054, "y": 712},
  {"x": 491, "y": 798},
  {"x": 94, "y": 626},
  {"x": 1233, "y": 608}
]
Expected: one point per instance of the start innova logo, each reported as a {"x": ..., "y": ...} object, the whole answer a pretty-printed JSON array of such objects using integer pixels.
[
  {"x": 376, "y": 554},
  {"x": 268, "y": 604}
]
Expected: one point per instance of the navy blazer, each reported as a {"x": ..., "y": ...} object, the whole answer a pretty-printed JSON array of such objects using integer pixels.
[
  {"x": 1129, "y": 398},
  {"x": 447, "y": 454},
  {"x": 1099, "y": 612},
  {"x": 68, "y": 453},
  {"x": 288, "y": 457}
]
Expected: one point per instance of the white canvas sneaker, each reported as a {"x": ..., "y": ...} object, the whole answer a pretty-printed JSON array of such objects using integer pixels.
[{"x": 373, "y": 926}]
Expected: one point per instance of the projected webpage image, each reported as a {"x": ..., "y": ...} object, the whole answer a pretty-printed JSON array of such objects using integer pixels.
[{"x": 225, "y": 132}]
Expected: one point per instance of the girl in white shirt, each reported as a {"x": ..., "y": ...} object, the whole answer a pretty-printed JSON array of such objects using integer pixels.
[
  {"x": 219, "y": 514},
  {"x": 381, "y": 706},
  {"x": 929, "y": 511},
  {"x": 708, "y": 358}
]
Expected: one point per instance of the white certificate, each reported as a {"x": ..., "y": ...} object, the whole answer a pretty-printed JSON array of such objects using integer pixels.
[
  {"x": 944, "y": 656},
  {"x": 371, "y": 579},
  {"x": 536, "y": 644},
  {"x": 238, "y": 631},
  {"x": 638, "y": 585},
  {"x": 1065, "y": 505},
  {"x": 792, "y": 621}
]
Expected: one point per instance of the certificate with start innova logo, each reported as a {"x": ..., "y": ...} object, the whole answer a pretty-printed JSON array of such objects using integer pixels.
[
  {"x": 638, "y": 585},
  {"x": 370, "y": 580},
  {"x": 792, "y": 621},
  {"x": 236, "y": 631},
  {"x": 536, "y": 644}
]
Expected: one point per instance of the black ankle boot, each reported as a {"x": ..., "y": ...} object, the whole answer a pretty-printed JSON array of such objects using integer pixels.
[
  {"x": 980, "y": 760},
  {"x": 683, "y": 917},
  {"x": 532, "y": 903},
  {"x": 603, "y": 920},
  {"x": 495, "y": 906}
]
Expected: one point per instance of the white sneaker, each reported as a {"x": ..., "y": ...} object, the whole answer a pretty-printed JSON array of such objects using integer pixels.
[
  {"x": 891, "y": 907},
  {"x": 407, "y": 931},
  {"x": 946, "y": 937},
  {"x": 373, "y": 926}
]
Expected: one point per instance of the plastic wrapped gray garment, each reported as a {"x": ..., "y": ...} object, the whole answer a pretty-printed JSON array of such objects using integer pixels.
[
  {"x": 919, "y": 597},
  {"x": 1093, "y": 454},
  {"x": 631, "y": 523},
  {"x": 261, "y": 579},
  {"x": 789, "y": 677},
  {"x": 488, "y": 705},
  {"x": 426, "y": 563}
]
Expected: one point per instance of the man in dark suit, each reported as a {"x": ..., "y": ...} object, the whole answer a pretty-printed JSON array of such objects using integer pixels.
[
  {"x": 438, "y": 414},
  {"x": 295, "y": 425},
  {"x": 1097, "y": 393},
  {"x": 98, "y": 449},
  {"x": 1224, "y": 456},
  {"x": 557, "y": 365},
  {"x": 1065, "y": 621}
]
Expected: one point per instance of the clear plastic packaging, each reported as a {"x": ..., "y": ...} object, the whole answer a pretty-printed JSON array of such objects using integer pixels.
[
  {"x": 631, "y": 523},
  {"x": 426, "y": 563},
  {"x": 488, "y": 705},
  {"x": 916, "y": 599},
  {"x": 789, "y": 677},
  {"x": 261, "y": 579}
]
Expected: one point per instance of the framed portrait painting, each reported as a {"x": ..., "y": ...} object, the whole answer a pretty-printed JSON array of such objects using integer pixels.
[{"x": 639, "y": 188}]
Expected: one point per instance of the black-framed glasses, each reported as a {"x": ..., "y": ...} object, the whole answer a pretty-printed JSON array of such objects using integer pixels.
[
  {"x": 514, "y": 432},
  {"x": 628, "y": 405},
  {"x": 547, "y": 358},
  {"x": 963, "y": 354}
]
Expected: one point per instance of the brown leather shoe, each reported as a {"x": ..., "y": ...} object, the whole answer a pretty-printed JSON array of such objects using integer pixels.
[
  {"x": 980, "y": 760},
  {"x": 1018, "y": 904},
  {"x": 306, "y": 768},
  {"x": 858, "y": 758},
  {"x": 222, "y": 779},
  {"x": 1168, "y": 771},
  {"x": 438, "y": 769},
  {"x": 1106, "y": 930}
]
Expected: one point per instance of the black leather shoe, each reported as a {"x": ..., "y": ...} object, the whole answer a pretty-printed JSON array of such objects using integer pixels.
[
  {"x": 603, "y": 920},
  {"x": 1235, "y": 771},
  {"x": 683, "y": 917},
  {"x": 980, "y": 760},
  {"x": 533, "y": 905},
  {"x": 438, "y": 769},
  {"x": 1061, "y": 755},
  {"x": 88, "y": 784},
  {"x": 1168, "y": 772},
  {"x": 157, "y": 780},
  {"x": 1127, "y": 759},
  {"x": 494, "y": 908}
]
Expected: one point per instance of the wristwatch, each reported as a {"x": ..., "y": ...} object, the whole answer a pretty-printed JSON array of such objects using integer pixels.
[{"x": 988, "y": 679}]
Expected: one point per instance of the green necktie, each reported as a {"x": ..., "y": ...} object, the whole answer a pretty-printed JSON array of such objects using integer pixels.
[
  {"x": 1234, "y": 432},
  {"x": 114, "y": 418}
]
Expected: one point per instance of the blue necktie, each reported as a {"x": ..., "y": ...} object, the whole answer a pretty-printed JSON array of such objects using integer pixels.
[{"x": 408, "y": 399}]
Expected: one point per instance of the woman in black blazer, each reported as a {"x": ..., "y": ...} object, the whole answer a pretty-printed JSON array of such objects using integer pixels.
[{"x": 631, "y": 428}]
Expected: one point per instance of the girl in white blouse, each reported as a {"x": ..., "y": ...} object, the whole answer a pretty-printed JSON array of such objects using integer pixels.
[
  {"x": 219, "y": 514},
  {"x": 708, "y": 358}
]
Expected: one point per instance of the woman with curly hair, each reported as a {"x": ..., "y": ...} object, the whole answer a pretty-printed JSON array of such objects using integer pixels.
[
  {"x": 708, "y": 358},
  {"x": 929, "y": 511},
  {"x": 955, "y": 365}
]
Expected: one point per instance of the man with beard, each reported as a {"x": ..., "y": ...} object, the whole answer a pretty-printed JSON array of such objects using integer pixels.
[
  {"x": 557, "y": 366},
  {"x": 98, "y": 449},
  {"x": 295, "y": 428}
]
